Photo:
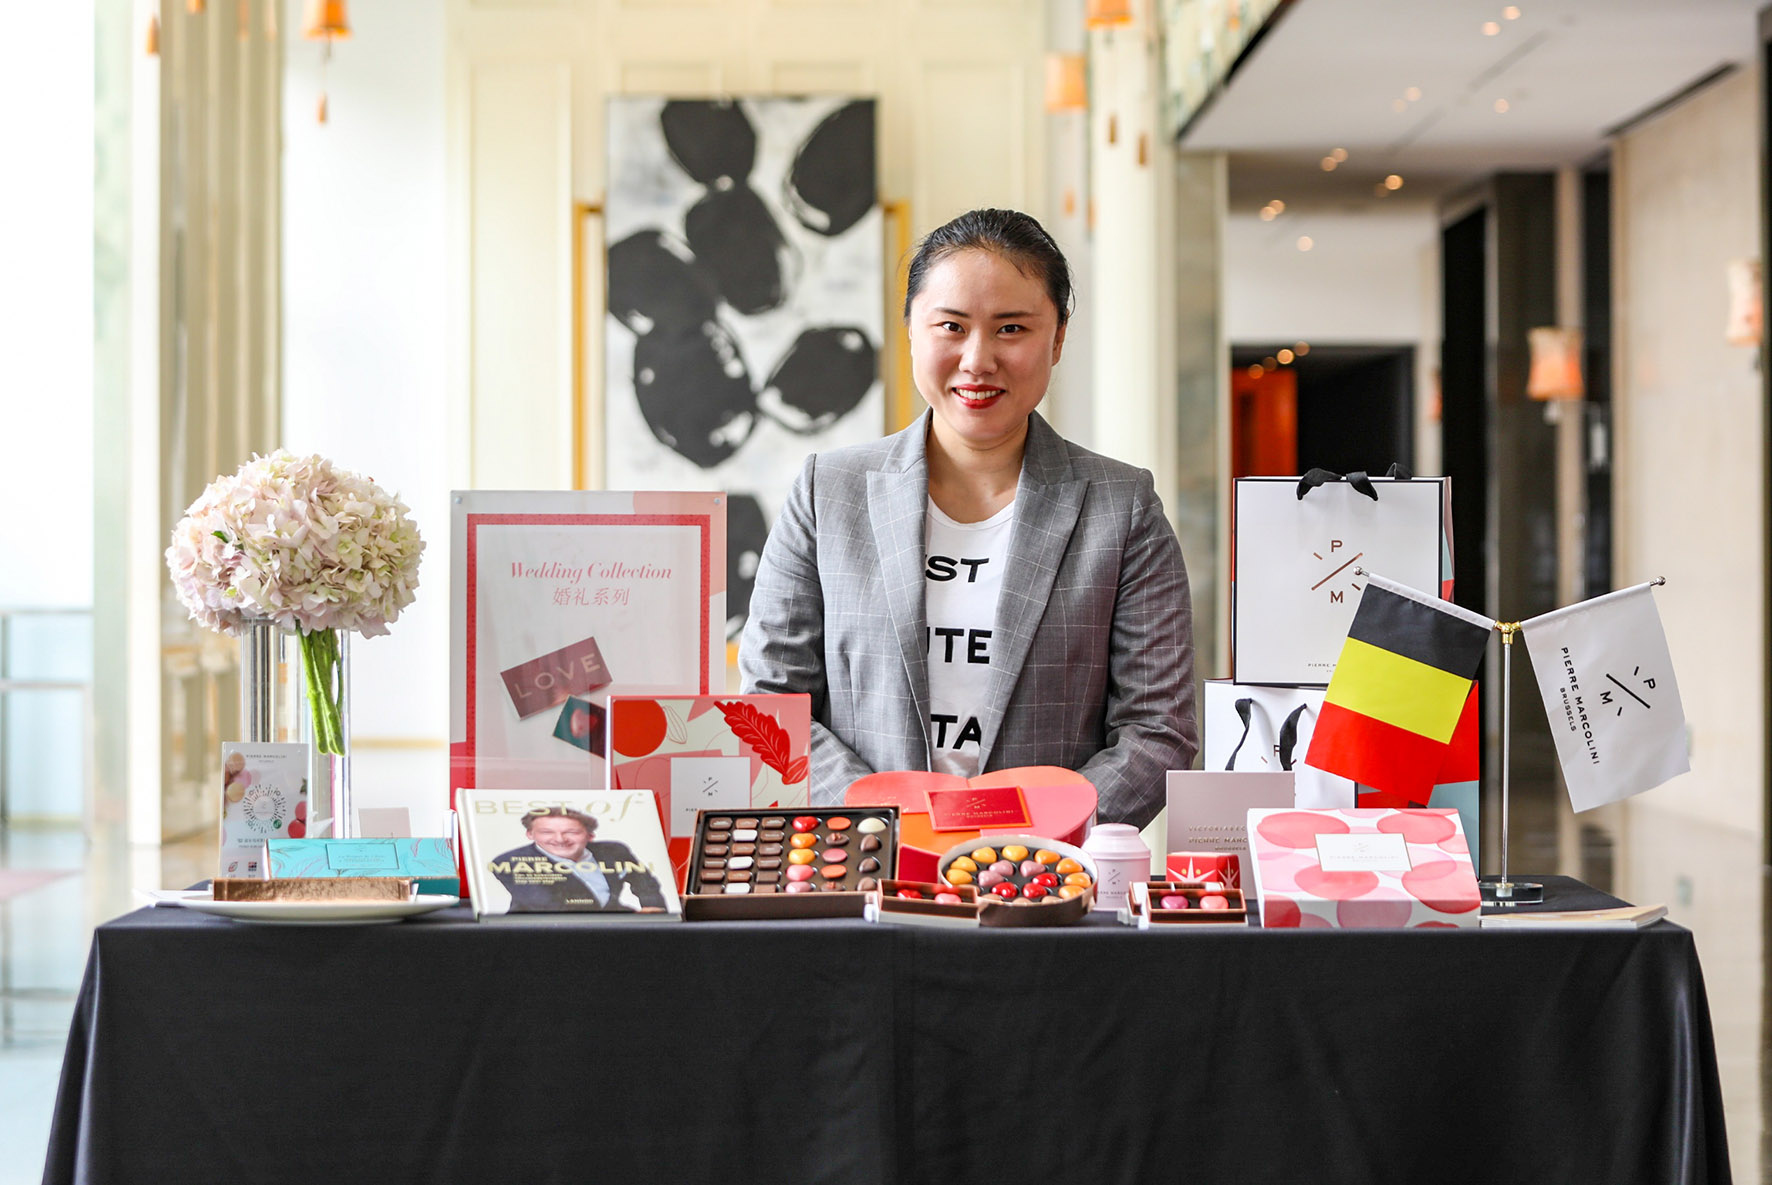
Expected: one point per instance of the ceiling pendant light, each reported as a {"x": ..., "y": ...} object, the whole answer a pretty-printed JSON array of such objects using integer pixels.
[
  {"x": 1107, "y": 14},
  {"x": 1555, "y": 372},
  {"x": 327, "y": 21},
  {"x": 1067, "y": 82}
]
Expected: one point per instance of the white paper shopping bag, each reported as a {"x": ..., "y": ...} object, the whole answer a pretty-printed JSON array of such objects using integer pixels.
[
  {"x": 1268, "y": 730},
  {"x": 1296, "y": 564}
]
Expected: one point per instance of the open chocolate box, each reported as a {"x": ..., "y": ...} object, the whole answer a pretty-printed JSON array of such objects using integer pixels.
[
  {"x": 924, "y": 910},
  {"x": 1145, "y": 905},
  {"x": 1019, "y": 879},
  {"x": 799, "y": 862}
]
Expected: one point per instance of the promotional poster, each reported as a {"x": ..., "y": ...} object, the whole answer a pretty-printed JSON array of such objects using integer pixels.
[{"x": 562, "y": 599}]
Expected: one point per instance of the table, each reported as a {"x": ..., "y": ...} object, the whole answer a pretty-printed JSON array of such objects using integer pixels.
[{"x": 439, "y": 1049}]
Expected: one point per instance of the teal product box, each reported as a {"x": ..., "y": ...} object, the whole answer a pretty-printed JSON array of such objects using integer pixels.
[{"x": 430, "y": 862}]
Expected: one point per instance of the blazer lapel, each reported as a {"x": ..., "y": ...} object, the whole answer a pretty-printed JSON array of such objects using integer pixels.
[
  {"x": 1047, "y": 503},
  {"x": 898, "y": 498}
]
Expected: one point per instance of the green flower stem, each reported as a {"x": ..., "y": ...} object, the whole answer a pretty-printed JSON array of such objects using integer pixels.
[{"x": 321, "y": 671}]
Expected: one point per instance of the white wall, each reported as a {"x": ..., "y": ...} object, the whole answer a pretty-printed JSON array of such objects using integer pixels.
[
  {"x": 1370, "y": 278},
  {"x": 46, "y": 337},
  {"x": 365, "y": 343},
  {"x": 1687, "y": 483},
  {"x": 46, "y": 308}
]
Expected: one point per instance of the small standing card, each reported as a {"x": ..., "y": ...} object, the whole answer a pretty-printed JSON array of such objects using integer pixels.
[
  {"x": 264, "y": 796},
  {"x": 976, "y": 808}
]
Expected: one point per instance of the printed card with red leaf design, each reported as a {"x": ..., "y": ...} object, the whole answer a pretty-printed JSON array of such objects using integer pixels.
[{"x": 710, "y": 752}]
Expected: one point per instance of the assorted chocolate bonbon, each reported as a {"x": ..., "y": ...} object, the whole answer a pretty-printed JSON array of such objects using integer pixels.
[
  {"x": 1042, "y": 882},
  {"x": 793, "y": 852},
  {"x": 921, "y": 903},
  {"x": 1016, "y": 873},
  {"x": 1188, "y": 903}
]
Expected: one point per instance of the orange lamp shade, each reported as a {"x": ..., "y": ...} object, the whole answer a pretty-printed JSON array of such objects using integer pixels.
[
  {"x": 1107, "y": 14},
  {"x": 325, "y": 20},
  {"x": 1747, "y": 315},
  {"x": 1556, "y": 363},
  {"x": 1067, "y": 82}
]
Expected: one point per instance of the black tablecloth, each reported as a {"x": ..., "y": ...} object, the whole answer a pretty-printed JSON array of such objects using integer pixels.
[{"x": 439, "y": 1049}]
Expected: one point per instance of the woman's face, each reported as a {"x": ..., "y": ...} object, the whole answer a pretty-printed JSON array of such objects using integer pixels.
[{"x": 984, "y": 336}]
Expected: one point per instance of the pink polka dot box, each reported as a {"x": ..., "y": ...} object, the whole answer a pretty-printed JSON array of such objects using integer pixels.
[{"x": 1363, "y": 869}]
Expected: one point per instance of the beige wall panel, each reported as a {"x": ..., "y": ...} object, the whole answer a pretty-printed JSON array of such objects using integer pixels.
[
  {"x": 966, "y": 153},
  {"x": 677, "y": 79},
  {"x": 520, "y": 208},
  {"x": 821, "y": 78},
  {"x": 1690, "y": 406},
  {"x": 1687, "y": 505}
]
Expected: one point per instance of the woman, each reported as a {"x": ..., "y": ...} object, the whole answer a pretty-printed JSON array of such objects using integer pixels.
[{"x": 975, "y": 592}]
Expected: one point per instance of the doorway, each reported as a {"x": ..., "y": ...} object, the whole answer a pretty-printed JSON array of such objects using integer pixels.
[{"x": 1341, "y": 408}]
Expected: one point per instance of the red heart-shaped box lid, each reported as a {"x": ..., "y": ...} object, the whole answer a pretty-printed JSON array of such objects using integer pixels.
[{"x": 1061, "y": 802}]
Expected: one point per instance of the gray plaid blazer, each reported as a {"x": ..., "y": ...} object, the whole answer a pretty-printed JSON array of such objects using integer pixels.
[{"x": 1092, "y": 651}]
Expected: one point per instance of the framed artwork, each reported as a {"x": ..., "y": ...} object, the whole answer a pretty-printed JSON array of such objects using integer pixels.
[{"x": 746, "y": 288}]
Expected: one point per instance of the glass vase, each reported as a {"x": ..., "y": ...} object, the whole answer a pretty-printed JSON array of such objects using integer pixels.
[
  {"x": 326, "y": 690},
  {"x": 298, "y": 689}
]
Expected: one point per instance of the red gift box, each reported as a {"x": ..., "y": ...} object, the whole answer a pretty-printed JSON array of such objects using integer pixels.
[{"x": 1223, "y": 868}]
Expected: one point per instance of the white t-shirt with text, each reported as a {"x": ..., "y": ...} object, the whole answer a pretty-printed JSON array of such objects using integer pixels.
[{"x": 962, "y": 577}]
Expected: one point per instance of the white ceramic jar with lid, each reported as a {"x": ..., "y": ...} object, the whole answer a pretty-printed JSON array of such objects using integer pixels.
[{"x": 1121, "y": 861}]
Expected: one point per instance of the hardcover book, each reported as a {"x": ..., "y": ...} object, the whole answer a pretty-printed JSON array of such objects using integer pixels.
[{"x": 588, "y": 854}]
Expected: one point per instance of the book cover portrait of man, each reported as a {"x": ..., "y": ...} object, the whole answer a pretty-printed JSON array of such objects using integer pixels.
[{"x": 564, "y": 867}]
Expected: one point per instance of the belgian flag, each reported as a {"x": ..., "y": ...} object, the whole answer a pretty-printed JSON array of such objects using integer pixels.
[{"x": 1403, "y": 680}]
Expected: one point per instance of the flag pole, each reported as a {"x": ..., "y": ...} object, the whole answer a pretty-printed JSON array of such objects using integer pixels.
[{"x": 1508, "y": 892}]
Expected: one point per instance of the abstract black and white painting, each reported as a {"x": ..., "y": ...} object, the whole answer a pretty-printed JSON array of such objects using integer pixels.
[{"x": 746, "y": 279}]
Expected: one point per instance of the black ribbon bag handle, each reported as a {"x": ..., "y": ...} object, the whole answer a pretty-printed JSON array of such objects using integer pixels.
[
  {"x": 1362, "y": 484},
  {"x": 1287, "y": 741}
]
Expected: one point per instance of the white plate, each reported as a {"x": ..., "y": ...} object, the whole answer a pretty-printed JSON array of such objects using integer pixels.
[{"x": 319, "y": 913}]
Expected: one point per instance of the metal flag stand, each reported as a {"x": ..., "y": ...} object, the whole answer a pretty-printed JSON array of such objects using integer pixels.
[{"x": 1504, "y": 891}]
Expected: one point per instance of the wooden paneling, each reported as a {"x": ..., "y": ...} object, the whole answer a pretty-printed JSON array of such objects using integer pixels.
[
  {"x": 971, "y": 139},
  {"x": 219, "y": 340},
  {"x": 520, "y": 259}
]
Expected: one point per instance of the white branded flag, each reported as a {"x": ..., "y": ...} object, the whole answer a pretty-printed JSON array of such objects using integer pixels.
[{"x": 1609, "y": 690}]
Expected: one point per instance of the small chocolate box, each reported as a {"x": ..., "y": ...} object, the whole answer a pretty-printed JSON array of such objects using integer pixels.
[
  {"x": 897, "y": 905},
  {"x": 1165, "y": 903},
  {"x": 798, "y": 862}
]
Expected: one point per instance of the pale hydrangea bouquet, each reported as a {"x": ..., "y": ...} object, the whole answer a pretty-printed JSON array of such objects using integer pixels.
[{"x": 299, "y": 541}]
